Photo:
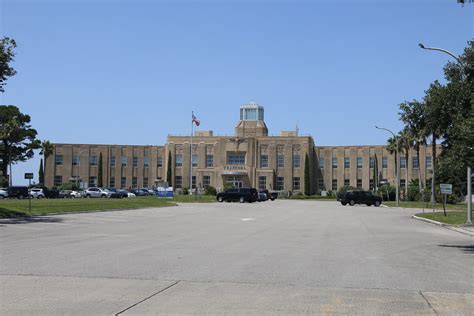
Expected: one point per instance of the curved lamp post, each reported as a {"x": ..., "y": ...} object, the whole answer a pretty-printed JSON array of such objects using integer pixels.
[
  {"x": 396, "y": 164},
  {"x": 469, "y": 177}
]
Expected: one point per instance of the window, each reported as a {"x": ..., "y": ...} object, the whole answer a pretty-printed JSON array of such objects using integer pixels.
[
  {"x": 415, "y": 163},
  {"x": 359, "y": 183},
  {"x": 209, "y": 161},
  {"x": 236, "y": 158},
  {"x": 93, "y": 160},
  {"x": 58, "y": 181},
  {"x": 135, "y": 162},
  {"x": 359, "y": 162},
  {"x": 145, "y": 182},
  {"x": 372, "y": 162},
  {"x": 193, "y": 182},
  {"x": 321, "y": 184},
  {"x": 134, "y": 182},
  {"x": 92, "y": 181},
  {"x": 280, "y": 184},
  {"x": 296, "y": 161},
  {"x": 371, "y": 184},
  {"x": 334, "y": 184},
  {"x": 347, "y": 163},
  {"x": 403, "y": 162},
  {"x": 194, "y": 160},
  {"x": 347, "y": 182},
  {"x": 281, "y": 161},
  {"x": 206, "y": 181},
  {"x": 429, "y": 161},
  {"x": 123, "y": 161},
  {"x": 58, "y": 160},
  {"x": 112, "y": 161},
  {"x": 123, "y": 182},
  {"x": 262, "y": 182},
  {"x": 178, "y": 182},
  {"x": 296, "y": 183},
  {"x": 146, "y": 162},
  {"x": 112, "y": 182},
  {"x": 75, "y": 160},
  {"x": 402, "y": 182},
  {"x": 321, "y": 163},
  {"x": 384, "y": 162},
  {"x": 179, "y": 160},
  {"x": 263, "y": 161},
  {"x": 159, "y": 161},
  {"x": 334, "y": 163}
]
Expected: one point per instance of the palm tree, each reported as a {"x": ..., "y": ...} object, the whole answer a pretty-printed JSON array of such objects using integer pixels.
[
  {"x": 392, "y": 149},
  {"x": 406, "y": 143},
  {"x": 46, "y": 150}
]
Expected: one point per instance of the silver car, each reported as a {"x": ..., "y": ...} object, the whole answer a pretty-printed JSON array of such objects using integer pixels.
[
  {"x": 37, "y": 193},
  {"x": 3, "y": 193},
  {"x": 94, "y": 192}
]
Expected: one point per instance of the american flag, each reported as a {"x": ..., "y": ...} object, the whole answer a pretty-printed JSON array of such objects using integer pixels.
[{"x": 196, "y": 121}]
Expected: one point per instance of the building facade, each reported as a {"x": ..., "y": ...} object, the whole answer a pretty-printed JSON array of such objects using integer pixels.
[{"x": 250, "y": 158}]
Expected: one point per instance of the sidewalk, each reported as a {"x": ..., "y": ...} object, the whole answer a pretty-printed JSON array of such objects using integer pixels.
[{"x": 463, "y": 229}]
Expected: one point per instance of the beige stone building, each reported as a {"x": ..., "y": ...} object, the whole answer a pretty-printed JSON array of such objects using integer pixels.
[{"x": 250, "y": 158}]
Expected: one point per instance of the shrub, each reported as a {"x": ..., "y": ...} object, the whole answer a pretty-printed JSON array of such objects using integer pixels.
[
  {"x": 210, "y": 190},
  {"x": 185, "y": 191},
  {"x": 228, "y": 186},
  {"x": 413, "y": 193},
  {"x": 387, "y": 192}
]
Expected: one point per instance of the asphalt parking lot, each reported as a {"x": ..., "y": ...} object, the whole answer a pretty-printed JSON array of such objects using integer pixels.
[{"x": 281, "y": 257}]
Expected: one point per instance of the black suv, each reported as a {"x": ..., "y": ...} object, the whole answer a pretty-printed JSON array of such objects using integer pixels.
[
  {"x": 360, "y": 197},
  {"x": 18, "y": 192},
  {"x": 238, "y": 194}
]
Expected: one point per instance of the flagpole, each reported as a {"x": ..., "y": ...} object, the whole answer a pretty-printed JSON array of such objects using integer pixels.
[{"x": 191, "y": 156}]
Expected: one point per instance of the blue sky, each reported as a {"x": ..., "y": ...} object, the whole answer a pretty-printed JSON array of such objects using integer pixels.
[{"x": 131, "y": 72}]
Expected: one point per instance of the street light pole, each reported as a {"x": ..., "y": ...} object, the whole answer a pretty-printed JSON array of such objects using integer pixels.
[
  {"x": 396, "y": 164},
  {"x": 469, "y": 176}
]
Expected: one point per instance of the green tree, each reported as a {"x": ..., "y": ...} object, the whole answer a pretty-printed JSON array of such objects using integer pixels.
[
  {"x": 169, "y": 174},
  {"x": 41, "y": 173},
  {"x": 100, "y": 182},
  {"x": 412, "y": 113},
  {"x": 375, "y": 174},
  {"x": 47, "y": 150},
  {"x": 307, "y": 179},
  {"x": 7, "y": 55},
  {"x": 405, "y": 143},
  {"x": 17, "y": 137}
]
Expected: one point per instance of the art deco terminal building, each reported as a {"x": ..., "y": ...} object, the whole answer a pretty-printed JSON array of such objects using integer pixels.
[{"x": 250, "y": 158}]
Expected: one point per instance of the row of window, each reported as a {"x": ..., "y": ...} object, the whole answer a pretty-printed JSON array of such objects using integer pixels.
[
  {"x": 93, "y": 161},
  {"x": 335, "y": 187},
  {"x": 280, "y": 161},
  {"x": 178, "y": 182},
  {"x": 403, "y": 162}
]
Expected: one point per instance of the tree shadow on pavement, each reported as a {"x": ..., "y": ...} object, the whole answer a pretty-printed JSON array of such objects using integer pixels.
[
  {"x": 15, "y": 219},
  {"x": 466, "y": 248}
]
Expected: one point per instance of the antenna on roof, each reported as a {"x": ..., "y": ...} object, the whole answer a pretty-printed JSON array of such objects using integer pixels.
[{"x": 297, "y": 129}]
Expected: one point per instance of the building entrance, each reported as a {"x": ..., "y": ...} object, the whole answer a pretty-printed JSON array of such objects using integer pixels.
[{"x": 235, "y": 181}]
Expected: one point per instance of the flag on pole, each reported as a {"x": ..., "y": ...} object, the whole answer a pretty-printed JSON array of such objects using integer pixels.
[{"x": 195, "y": 120}]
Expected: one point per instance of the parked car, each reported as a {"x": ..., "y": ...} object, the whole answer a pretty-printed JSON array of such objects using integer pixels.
[
  {"x": 270, "y": 195},
  {"x": 262, "y": 196},
  {"x": 36, "y": 193},
  {"x": 238, "y": 194},
  {"x": 130, "y": 194},
  {"x": 51, "y": 193},
  {"x": 3, "y": 193},
  {"x": 123, "y": 193},
  {"x": 140, "y": 192},
  {"x": 360, "y": 197},
  {"x": 76, "y": 194},
  {"x": 94, "y": 192},
  {"x": 65, "y": 194},
  {"x": 19, "y": 192},
  {"x": 117, "y": 194}
]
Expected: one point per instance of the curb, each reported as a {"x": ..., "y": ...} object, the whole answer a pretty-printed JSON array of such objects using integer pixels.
[{"x": 450, "y": 227}]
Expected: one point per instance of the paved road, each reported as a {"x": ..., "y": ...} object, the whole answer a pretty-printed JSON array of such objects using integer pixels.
[{"x": 282, "y": 257}]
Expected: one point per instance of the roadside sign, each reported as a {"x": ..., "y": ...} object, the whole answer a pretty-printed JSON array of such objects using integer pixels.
[
  {"x": 28, "y": 175},
  {"x": 446, "y": 188}
]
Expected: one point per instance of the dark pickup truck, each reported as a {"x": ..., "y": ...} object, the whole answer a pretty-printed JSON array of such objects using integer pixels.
[{"x": 238, "y": 194}]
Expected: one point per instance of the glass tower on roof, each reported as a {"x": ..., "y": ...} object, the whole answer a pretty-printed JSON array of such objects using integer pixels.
[{"x": 251, "y": 112}]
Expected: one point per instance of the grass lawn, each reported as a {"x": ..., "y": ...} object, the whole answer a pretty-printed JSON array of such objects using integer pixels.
[
  {"x": 452, "y": 217},
  {"x": 427, "y": 206},
  {"x": 13, "y": 207}
]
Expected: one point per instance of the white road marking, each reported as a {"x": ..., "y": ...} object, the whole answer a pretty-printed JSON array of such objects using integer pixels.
[{"x": 248, "y": 219}]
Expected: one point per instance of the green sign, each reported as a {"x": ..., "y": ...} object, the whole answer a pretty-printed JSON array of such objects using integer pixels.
[
  {"x": 446, "y": 188},
  {"x": 28, "y": 175}
]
